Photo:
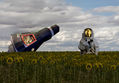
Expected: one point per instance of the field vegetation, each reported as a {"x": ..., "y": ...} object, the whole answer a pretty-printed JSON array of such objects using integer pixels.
[{"x": 59, "y": 67}]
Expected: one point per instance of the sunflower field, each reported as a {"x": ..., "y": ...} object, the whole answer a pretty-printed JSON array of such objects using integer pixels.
[{"x": 59, "y": 67}]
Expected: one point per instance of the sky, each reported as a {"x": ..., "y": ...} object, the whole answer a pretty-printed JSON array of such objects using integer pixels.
[
  {"x": 73, "y": 16},
  {"x": 89, "y": 4}
]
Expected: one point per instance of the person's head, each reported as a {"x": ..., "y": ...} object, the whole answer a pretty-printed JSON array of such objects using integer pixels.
[{"x": 88, "y": 32}]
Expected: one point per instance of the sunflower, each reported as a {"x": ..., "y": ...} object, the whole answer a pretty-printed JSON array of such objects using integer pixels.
[
  {"x": 98, "y": 65},
  {"x": 19, "y": 59},
  {"x": 34, "y": 61},
  {"x": 88, "y": 66},
  {"x": 10, "y": 60},
  {"x": 113, "y": 67}
]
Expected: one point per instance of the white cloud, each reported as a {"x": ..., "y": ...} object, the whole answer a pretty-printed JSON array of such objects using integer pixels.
[
  {"x": 107, "y": 9},
  {"x": 116, "y": 17},
  {"x": 4, "y": 43},
  {"x": 32, "y": 15}
]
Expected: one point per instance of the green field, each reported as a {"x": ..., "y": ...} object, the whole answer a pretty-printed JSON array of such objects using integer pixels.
[{"x": 59, "y": 67}]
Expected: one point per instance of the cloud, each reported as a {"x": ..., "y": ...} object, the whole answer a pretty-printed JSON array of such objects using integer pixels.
[
  {"x": 4, "y": 43},
  {"x": 32, "y": 15},
  {"x": 30, "y": 5},
  {"x": 114, "y": 9}
]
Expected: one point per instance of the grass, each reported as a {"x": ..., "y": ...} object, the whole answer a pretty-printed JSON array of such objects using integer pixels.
[{"x": 59, "y": 67}]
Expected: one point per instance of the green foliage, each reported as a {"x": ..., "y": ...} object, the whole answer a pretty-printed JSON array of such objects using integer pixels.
[{"x": 59, "y": 67}]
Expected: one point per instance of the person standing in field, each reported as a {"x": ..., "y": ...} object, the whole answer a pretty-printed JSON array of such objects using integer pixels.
[{"x": 88, "y": 44}]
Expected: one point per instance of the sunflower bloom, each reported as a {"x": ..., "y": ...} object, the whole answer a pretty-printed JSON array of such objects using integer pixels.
[
  {"x": 19, "y": 59},
  {"x": 88, "y": 66},
  {"x": 9, "y": 60},
  {"x": 113, "y": 67},
  {"x": 34, "y": 61},
  {"x": 99, "y": 65}
]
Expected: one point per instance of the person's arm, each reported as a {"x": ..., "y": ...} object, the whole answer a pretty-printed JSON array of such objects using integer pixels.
[{"x": 83, "y": 44}]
